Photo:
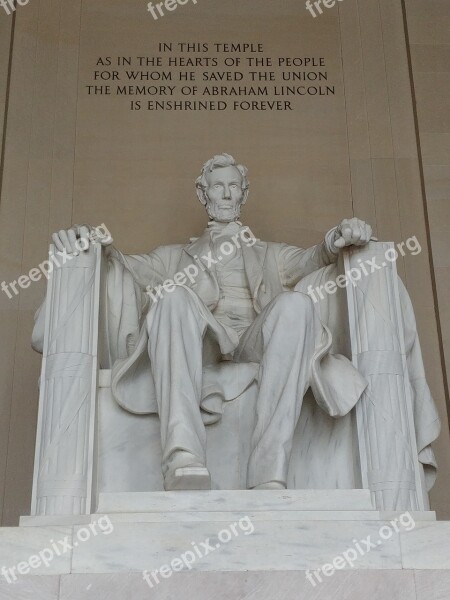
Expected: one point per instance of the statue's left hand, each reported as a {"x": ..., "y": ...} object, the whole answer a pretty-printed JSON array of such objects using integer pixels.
[
  {"x": 352, "y": 232},
  {"x": 69, "y": 240}
]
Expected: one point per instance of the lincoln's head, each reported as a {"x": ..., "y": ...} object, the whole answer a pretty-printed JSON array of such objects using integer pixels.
[{"x": 222, "y": 188}]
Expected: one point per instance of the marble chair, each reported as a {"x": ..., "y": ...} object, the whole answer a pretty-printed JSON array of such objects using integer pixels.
[{"x": 87, "y": 444}]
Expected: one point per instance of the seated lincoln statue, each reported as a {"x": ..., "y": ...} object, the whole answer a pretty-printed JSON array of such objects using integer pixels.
[{"x": 228, "y": 298}]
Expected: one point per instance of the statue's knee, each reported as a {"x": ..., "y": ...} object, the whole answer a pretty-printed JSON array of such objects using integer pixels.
[
  {"x": 293, "y": 311},
  {"x": 294, "y": 303}
]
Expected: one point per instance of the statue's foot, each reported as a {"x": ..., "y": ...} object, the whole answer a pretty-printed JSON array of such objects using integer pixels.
[
  {"x": 270, "y": 485},
  {"x": 186, "y": 472},
  {"x": 188, "y": 478}
]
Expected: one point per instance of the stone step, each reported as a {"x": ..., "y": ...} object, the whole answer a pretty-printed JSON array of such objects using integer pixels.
[
  {"x": 242, "y": 501},
  {"x": 106, "y": 546},
  {"x": 225, "y": 516}
]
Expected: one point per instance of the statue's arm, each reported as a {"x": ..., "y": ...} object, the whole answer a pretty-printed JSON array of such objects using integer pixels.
[
  {"x": 146, "y": 269},
  {"x": 295, "y": 263}
]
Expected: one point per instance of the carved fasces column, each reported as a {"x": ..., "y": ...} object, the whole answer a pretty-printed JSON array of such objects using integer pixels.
[
  {"x": 64, "y": 467},
  {"x": 385, "y": 426}
]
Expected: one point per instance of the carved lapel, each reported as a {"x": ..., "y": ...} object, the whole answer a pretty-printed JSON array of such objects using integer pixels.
[
  {"x": 200, "y": 248},
  {"x": 254, "y": 257},
  {"x": 205, "y": 283}
]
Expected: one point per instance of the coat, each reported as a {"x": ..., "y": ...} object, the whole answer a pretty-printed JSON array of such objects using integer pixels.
[{"x": 271, "y": 268}]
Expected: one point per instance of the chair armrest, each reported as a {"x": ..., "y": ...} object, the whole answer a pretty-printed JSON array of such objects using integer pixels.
[{"x": 64, "y": 459}]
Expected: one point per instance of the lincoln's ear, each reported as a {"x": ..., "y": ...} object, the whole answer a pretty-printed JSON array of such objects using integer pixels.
[
  {"x": 245, "y": 197},
  {"x": 201, "y": 195}
]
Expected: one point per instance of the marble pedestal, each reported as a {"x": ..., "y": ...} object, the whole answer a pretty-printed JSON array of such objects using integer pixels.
[{"x": 293, "y": 531}]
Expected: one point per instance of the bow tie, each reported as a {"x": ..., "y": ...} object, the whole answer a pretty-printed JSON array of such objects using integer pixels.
[{"x": 218, "y": 230}]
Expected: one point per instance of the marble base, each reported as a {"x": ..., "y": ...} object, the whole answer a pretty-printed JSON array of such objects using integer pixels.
[
  {"x": 235, "y": 500},
  {"x": 292, "y": 533},
  {"x": 280, "y": 585},
  {"x": 214, "y": 505},
  {"x": 289, "y": 545},
  {"x": 163, "y": 517},
  {"x": 285, "y": 530},
  {"x": 279, "y": 539}
]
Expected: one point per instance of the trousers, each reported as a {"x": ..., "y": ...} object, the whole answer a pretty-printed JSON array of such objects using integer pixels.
[{"x": 282, "y": 339}]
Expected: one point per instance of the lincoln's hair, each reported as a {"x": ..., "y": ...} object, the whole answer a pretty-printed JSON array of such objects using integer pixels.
[{"x": 218, "y": 162}]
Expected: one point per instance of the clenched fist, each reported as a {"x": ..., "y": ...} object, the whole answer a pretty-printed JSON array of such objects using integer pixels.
[{"x": 352, "y": 232}]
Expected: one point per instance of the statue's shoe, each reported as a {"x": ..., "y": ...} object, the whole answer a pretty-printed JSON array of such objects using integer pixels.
[
  {"x": 186, "y": 472},
  {"x": 270, "y": 485},
  {"x": 187, "y": 478}
]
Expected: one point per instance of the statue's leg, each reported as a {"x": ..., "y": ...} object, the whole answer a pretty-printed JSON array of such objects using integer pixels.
[
  {"x": 282, "y": 339},
  {"x": 175, "y": 330}
]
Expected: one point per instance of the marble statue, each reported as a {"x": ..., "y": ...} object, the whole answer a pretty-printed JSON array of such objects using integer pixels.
[{"x": 225, "y": 300}]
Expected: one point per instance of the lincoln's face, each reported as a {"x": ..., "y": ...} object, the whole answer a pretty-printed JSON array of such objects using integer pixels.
[{"x": 224, "y": 195}]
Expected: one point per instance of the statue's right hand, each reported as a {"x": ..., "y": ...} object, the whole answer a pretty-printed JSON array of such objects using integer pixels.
[{"x": 74, "y": 240}]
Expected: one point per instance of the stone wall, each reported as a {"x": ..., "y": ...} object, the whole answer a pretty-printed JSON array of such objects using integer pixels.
[
  {"x": 429, "y": 41},
  {"x": 74, "y": 158}
]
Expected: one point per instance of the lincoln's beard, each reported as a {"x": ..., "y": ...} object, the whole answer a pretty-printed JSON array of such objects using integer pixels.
[{"x": 223, "y": 215}]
